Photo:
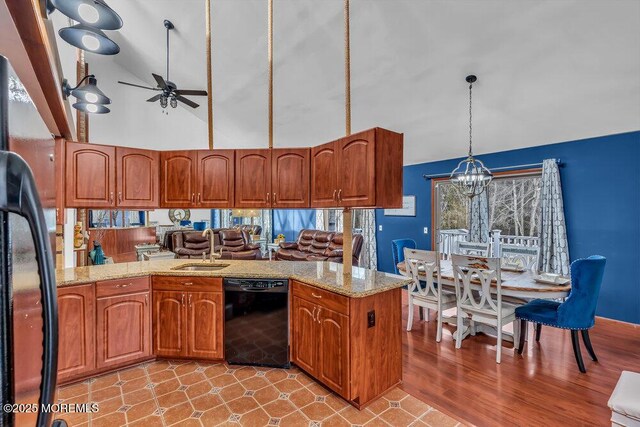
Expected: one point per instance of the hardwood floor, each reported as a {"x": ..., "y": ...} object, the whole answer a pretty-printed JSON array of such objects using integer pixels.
[{"x": 541, "y": 387}]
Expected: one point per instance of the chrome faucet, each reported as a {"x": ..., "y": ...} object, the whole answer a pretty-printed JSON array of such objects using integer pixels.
[{"x": 213, "y": 256}]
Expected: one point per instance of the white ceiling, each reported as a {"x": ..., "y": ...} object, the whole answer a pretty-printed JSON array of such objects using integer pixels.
[{"x": 549, "y": 71}]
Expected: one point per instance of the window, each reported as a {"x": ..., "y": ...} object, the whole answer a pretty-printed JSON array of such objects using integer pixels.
[
  {"x": 513, "y": 202},
  {"x": 116, "y": 218}
]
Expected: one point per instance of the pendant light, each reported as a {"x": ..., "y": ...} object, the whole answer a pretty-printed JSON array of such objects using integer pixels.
[
  {"x": 90, "y": 98},
  {"x": 471, "y": 176},
  {"x": 90, "y": 39},
  {"x": 94, "y": 13}
]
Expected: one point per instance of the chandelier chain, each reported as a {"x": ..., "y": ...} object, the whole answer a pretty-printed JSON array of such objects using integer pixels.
[{"x": 470, "y": 117}]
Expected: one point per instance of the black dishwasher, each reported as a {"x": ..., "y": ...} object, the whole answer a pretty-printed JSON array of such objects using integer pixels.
[{"x": 256, "y": 328}]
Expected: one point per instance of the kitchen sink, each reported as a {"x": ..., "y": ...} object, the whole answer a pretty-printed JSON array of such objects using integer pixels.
[{"x": 200, "y": 267}]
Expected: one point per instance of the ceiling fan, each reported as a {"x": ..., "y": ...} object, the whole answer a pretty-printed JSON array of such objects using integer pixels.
[{"x": 170, "y": 92}]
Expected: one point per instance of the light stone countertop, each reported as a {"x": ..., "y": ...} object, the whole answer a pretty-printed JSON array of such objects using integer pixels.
[{"x": 326, "y": 275}]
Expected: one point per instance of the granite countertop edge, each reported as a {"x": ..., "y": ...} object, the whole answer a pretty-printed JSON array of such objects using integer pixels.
[{"x": 386, "y": 282}]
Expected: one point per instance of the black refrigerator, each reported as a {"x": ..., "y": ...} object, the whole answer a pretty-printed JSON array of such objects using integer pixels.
[{"x": 28, "y": 310}]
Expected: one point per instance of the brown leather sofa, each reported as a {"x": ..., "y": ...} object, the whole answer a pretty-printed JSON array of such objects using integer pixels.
[
  {"x": 318, "y": 245},
  {"x": 235, "y": 244}
]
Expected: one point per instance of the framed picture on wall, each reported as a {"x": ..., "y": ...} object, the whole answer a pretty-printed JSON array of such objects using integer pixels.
[{"x": 408, "y": 208}]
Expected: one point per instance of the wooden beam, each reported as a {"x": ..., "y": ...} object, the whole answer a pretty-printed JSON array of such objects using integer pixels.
[{"x": 42, "y": 75}]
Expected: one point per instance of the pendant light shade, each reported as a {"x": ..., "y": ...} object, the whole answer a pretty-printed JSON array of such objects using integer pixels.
[
  {"x": 90, "y": 39},
  {"x": 91, "y": 108},
  {"x": 471, "y": 175},
  {"x": 89, "y": 92},
  {"x": 94, "y": 13}
]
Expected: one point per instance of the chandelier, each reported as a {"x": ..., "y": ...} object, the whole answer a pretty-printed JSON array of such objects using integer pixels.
[{"x": 471, "y": 176}]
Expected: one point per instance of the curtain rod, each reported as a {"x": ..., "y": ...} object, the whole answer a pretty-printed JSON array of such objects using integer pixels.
[{"x": 530, "y": 165}]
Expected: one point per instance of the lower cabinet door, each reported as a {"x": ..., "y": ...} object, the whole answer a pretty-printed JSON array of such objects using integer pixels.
[
  {"x": 123, "y": 332},
  {"x": 76, "y": 329},
  {"x": 205, "y": 322},
  {"x": 169, "y": 323},
  {"x": 305, "y": 339},
  {"x": 333, "y": 350}
]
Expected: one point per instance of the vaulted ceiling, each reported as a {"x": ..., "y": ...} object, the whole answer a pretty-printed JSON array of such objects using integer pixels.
[{"x": 548, "y": 71}]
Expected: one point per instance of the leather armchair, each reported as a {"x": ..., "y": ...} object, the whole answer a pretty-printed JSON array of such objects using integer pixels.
[
  {"x": 189, "y": 244},
  {"x": 235, "y": 244},
  {"x": 318, "y": 245}
]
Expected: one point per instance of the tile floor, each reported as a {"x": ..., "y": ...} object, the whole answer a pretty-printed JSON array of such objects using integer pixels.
[{"x": 165, "y": 393}]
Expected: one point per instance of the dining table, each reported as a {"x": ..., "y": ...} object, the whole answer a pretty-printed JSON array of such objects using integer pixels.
[{"x": 517, "y": 286}]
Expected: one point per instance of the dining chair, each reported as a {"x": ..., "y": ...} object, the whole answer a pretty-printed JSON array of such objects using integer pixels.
[
  {"x": 425, "y": 290},
  {"x": 397, "y": 250},
  {"x": 473, "y": 277},
  {"x": 524, "y": 256},
  {"x": 471, "y": 248},
  {"x": 576, "y": 313}
]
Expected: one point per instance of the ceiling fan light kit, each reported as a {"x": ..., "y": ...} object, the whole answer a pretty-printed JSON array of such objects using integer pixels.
[
  {"x": 92, "y": 16},
  {"x": 90, "y": 97}
]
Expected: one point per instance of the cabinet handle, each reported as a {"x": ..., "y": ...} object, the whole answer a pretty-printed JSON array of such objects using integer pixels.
[
  {"x": 182, "y": 300},
  {"x": 188, "y": 283},
  {"x": 275, "y": 199},
  {"x": 111, "y": 197},
  {"x": 334, "y": 195},
  {"x": 268, "y": 197},
  {"x": 340, "y": 195},
  {"x": 119, "y": 196},
  {"x": 315, "y": 296},
  {"x": 190, "y": 295},
  {"x": 313, "y": 315},
  {"x": 318, "y": 315},
  {"x": 193, "y": 197},
  {"x": 146, "y": 300},
  {"x": 199, "y": 198},
  {"x": 122, "y": 285}
]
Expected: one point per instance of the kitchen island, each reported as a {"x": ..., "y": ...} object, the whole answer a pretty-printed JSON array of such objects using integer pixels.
[{"x": 344, "y": 330}]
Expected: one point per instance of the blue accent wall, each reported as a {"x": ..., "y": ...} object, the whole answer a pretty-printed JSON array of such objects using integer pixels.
[
  {"x": 290, "y": 221},
  {"x": 601, "y": 188}
]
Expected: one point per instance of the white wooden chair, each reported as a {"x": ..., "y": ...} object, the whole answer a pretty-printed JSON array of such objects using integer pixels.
[
  {"x": 479, "y": 305},
  {"x": 524, "y": 256},
  {"x": 471, "y": 248},
  {"x": 429, "y": 293}
]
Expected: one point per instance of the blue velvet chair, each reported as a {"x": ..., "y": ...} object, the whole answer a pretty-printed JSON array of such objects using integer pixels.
[
  {"x": 397, "y": 248},
  {"x": 576, "y": 313}
]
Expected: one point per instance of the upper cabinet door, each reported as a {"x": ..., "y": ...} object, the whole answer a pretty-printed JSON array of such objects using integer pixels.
[
  {"x": 178, "y": 179},
  {"x": 137, "y": 176},
  {"x": 215, "y": 179},
  {"x": 290, "y": 177},
  {"x": 324, "y": 175},
  {"x": 357, "y": 170},
  {"x": 253, "y": 179},
  {"x": 91, "y": 178}
]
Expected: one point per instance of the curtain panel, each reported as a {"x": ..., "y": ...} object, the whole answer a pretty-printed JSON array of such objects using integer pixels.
[
  {"x": 479, "y": 218},
  {"x": 554, "y": 247},
  {"x": 368, "y": 256}
]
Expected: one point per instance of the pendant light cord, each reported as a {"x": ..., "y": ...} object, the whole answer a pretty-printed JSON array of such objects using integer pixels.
[
  {"x": 167, "y": 54},
  {"x": 209, "y": 75},
  {"x": 470, "y": 117},
  {"x": 270, "y": 57},
  {"x": 347, "y": 69}
]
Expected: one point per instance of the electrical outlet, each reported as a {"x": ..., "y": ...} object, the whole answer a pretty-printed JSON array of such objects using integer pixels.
[
  {"x": 426, "y": 230},
  {"x": 380, "y": 228},
  {"x": 371, "y": 319}
]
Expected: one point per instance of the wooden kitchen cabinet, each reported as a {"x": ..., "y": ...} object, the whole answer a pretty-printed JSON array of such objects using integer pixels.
[
  {"x": 76, "y": 331},
  {"x": 123, "y": 322},
  {"x": 178, "y": 173},
  {"x": 361, "y": 170},
  {"x": 290, "y": 177},
  {"x": 90, "y": 175},
  {"x": 169, "y": 323},
  {"x": 253, "y": 179},
  {"x": 305, "y": 336},
  {"x": 333, "y": 350},
  {"x": 216, "y": 175},
  {"x": 188, "y": 317},
  {"x": 137, "y": 178},
  {"x": 204, "y": 325}
]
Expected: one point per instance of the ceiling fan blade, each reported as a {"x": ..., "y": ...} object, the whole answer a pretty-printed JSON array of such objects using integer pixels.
[
  {"x": 154, "y": 98},
  {"x": 189, "y": 102},
  {"x": 190, "y": 92},
  {"x": 135, "y": 85},
  {"x": 161, "y": 83}
]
